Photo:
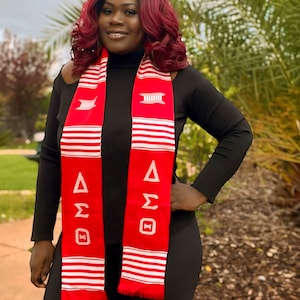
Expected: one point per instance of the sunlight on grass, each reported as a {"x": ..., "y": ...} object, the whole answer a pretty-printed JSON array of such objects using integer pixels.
[{"x": 17, "y": 173}]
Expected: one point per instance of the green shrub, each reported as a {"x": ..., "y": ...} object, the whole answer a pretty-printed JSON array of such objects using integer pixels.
[
  {"x": 195, "y": 148},
  {"x": 277, "y": 139}
]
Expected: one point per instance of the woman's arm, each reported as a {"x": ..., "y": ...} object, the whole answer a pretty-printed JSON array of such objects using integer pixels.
[
  {"x": 219, "y": 117},
  {"x": 48, "y": 180}
]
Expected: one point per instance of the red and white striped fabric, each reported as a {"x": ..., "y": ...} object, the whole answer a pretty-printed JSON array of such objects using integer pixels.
[
  {"x": 147, "y": 212},
  {"x": 82, "y": 273},
  {"x": 144, "y": 266}
]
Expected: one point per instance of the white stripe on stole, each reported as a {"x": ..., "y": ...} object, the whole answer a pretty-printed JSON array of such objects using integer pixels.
[
  {"x": 147, "y": 70},
  {"x": 144, "y": 266},
  {"x": 81, "y": 141},
  {"x": 82, "y": 273},
  {"x": 94, "y": 75},
  {"x": 153, "y": 134}
]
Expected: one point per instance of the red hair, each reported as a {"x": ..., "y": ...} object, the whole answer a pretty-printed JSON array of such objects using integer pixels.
[{"x": 158, "y": 19}]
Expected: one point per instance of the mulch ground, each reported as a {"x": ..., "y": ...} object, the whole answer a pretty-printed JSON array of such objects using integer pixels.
[{"x": 251, "y": 240}]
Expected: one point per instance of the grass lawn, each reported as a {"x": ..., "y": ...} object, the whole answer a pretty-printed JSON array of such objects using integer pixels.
[
  {"x": 17, "y": 173},
  {"x": 16, "y": 206}
]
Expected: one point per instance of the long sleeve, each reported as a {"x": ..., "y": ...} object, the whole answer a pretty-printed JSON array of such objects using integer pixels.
[
  {"x": 220, "y": 118},
  {"x": 48, "y": 181}
]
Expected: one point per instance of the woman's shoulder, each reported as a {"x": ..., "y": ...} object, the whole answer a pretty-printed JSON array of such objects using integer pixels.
[
  {"x": 191, "y": 71},
  {"x": 67, "y": 73},
  {"x": 190, "y": 77}
]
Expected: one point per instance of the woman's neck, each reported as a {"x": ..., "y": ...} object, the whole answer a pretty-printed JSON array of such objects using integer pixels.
[{"x": 128, "y": 60}]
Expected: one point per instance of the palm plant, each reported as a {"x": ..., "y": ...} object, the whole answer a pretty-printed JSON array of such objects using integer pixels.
[{"x": 56, "y": 34}]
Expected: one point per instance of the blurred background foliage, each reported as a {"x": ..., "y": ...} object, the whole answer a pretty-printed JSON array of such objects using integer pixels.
[
  {"x": 250, "y": 50},
  {"x": 24, "y": 87}
]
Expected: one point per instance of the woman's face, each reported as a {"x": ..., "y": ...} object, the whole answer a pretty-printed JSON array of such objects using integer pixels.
[{"x": 120, "y": 28}]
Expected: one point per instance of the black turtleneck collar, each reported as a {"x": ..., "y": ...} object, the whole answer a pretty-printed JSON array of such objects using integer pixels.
[{"x": 129, "y": 60}]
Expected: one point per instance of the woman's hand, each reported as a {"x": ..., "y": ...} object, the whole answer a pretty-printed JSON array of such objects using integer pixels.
[
  {"x": 185, "y": 197},
  {"x": 40, "y": 262}
]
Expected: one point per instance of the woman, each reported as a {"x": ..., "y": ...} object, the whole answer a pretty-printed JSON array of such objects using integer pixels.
[{"x": 115, "y": 117}]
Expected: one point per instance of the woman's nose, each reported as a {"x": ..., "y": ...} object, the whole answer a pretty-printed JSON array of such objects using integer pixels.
[{"x": 116, "y": 18}]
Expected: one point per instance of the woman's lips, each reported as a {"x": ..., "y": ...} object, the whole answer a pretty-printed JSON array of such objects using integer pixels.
[{"x": 116, "y": 35}]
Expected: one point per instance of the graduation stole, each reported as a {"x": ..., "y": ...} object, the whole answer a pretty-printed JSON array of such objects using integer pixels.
[{"x": 147, "y": 211}]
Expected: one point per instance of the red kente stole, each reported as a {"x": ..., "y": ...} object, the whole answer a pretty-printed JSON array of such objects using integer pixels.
[{"x": 147, "y": 212}]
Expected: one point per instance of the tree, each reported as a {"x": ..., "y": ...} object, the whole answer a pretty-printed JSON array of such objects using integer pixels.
[{"x": 24, "y": 81}]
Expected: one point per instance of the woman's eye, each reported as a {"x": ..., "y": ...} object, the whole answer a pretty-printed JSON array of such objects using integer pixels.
[
  {"x": 106, "y": 11},
  {"x": 131, "y": 12}
]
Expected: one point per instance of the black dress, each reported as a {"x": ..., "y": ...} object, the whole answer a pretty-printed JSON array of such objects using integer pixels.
[{"x": 195, "y": 98}]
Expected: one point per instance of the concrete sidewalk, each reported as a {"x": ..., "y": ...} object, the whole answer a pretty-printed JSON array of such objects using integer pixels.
[
  {"x": 14, "y": 261},
  {"x": 14, "y": 253},
  {"x": 17, "y": 152}
]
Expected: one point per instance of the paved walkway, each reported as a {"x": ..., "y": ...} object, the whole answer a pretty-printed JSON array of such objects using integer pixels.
[
  {"x": 17, "y": 151},
  {"x": 14, "y": 261},
  {"x": 14, "y": 253}
]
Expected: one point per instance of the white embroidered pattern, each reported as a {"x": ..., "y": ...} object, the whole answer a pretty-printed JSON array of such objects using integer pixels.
[
  {"x": 152, "y": 98},
  {"x": 87, "y": 104}
]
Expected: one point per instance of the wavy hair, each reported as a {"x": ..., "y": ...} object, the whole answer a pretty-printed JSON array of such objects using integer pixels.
[{"x": 162, "y": 41}]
